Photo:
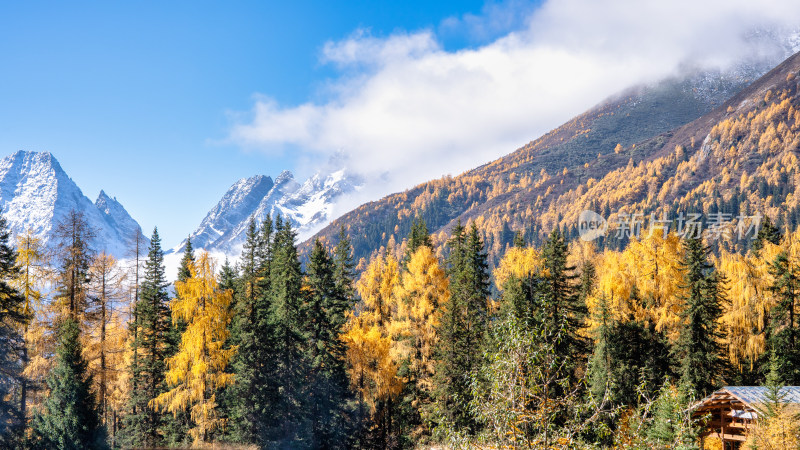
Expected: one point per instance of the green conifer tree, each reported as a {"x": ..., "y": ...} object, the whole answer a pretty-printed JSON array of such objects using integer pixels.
[
  {"x": 12, "y": 319},
  {"x": 699, "y": 350},
  {"x": 68, "y": 419},
  {"x": 151, "y": 327},
  {"x": 325, "y": 311},
  {"x": 286, "y": 339},
  {"x": 238, "y": 398},
  {"x": 418, "y": 237},
  {"x": 462, "y": 327},
  {"x": 767, "y": 232},
  {"x": 560, "y": 312},
  {"x": 784, "y": 329}
]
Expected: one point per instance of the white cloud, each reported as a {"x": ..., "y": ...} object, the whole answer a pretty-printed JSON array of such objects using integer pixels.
[{"x": 405, "y": 110}]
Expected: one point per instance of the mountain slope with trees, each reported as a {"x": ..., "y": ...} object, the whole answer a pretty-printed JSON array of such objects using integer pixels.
[{"x": 615, "y": 155}]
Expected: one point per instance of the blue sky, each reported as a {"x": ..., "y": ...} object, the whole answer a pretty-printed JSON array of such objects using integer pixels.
[
  {"x": 136, "y": 97},
  {"x": 166, "y": 104}
]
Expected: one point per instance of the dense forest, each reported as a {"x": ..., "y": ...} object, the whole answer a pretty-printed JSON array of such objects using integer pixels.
[{"x": 560, "y": 346}]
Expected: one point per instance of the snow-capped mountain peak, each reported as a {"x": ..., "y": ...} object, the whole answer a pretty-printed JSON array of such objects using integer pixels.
[
  {"x": 308, "y": 206},
  {"x": 36, "y": 193}
]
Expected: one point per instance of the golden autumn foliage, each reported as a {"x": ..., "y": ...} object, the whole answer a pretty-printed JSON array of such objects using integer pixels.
[
  {"x": 33, "y": 272},
  {"x": 781, "y": 432},
  {"x": 643, "y": 282},
  {"x": 519, "y": 263},
  {"x": 198, "y": 369},
  {"x": 373, "y": 371},
  {"x": 421, "y": 296},
  {"x": 106, "y": 335},
  {"x": 31, "y": 261}
]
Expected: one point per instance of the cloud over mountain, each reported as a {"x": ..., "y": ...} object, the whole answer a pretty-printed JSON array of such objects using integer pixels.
[{"x": 406, "y": 109}]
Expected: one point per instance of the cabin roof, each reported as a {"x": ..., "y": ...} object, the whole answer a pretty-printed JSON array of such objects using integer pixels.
[
  {"x": 748, "y": 396},
  {"x": 758, "y": 394}
]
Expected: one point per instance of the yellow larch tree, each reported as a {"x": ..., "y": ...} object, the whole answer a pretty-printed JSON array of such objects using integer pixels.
[
  {"x": 106, "y": 336},
  {"x": 747, "y": 316},
  {"x": 422, "y": 294},
  {"x": 517, "y": 262},
  {"x": 642, "y": 282},
  {"x": 33, "y": 272},
  {"x": 659, "y": 280},
  {"x": 197, "y": 371},
  {"x": 372, "y": 370}
]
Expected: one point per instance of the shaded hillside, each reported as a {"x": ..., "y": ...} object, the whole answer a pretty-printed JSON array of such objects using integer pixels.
[{"x": 548, "y": 181}]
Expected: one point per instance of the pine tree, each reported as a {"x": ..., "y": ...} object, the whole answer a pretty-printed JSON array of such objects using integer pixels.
[
  {"x": 777, "y": 427},
  {"x": 13, "y": 317},
  {"x": 244, "y": 401},
  {"x": 784, "y": 329},
  {"x": 629, "y": 359},
  {"x": 343, "y": 267},
  {"x": 198, "y": 370},
  {"x": 562, "y": 313},
  {"x": 68, "y": 419},
  {"x": 600, "y": 367},
  {"x": 767, "y": 232},
  {"x": 418, "y": 237},
  {"x": 698, "y": 349},
  {"x": 462, "y": 327},
  {"x": 325, "y": 310},
  {"x": 143, "y": 424},
  {"x": 672, "y": 425},
  {"x": 287, "y": 340}
]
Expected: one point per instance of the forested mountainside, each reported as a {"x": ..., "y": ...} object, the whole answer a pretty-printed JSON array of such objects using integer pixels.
[{"x": 645, "y": 149}]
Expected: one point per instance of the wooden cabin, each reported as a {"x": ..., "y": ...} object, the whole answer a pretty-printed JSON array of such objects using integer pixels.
[{"x": 733, "y": 410}]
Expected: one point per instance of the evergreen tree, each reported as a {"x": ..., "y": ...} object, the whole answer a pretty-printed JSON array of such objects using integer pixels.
[
  {"x": 68, "y": 419},
  {"x": 343, "y": 267},
  {"x": 418, "y": 237},
  {"x": 325, "y": 311},
  {"x": 698, "y": 349},
  {"x": 151, "y": 328},
  {"x": 782, "y": 336},
  {"x": 185, "y": 268},
  {"x": 629, "y": 359},
  {"x": 227, "y": 277},
  {"x": 287, "y": 365},
  {"x": 244, "y": 405},
  {"x": 561, "y": 312},
  {"x": 767, "y": 232},
  {"x": 777, "y": 427},
  {"x": 462, "y": 326},
  {"x": 13, "y": 316},
  {"x": 519, "y": 239},
  {"x": 671, "y": 425},
  {"x": 600, "y": 365}
]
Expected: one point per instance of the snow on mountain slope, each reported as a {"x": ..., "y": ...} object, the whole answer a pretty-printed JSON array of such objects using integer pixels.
[
  {"x": 36, "y": 193},
  {"x": 234, "y": 207},
  {"x": 308, "y": 206}
]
